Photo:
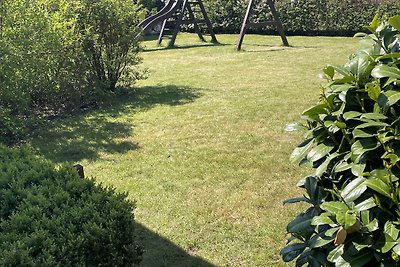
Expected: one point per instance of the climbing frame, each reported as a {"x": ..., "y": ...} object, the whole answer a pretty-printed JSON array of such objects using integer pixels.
[
  {"x": 196, "y": 15},
  {"x": 248, "y": 24}
]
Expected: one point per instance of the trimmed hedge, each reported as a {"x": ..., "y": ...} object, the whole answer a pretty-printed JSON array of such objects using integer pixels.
[
  {"x": 52, "y": 217},
  {"x": 302, "y": 17}
]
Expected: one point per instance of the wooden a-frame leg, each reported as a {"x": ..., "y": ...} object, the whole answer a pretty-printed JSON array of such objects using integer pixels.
[
  {"x": 278, "y": 23},
  {"x": 178, "y": 25},
  {"x": 208, "y": 22},
  {"x": 195, "y": 25},
  {"x": 160, "y": 36},
  {"x": 244, "y": 25}
]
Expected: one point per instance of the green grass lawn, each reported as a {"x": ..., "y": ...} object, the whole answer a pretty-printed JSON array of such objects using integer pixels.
[{"x": 200, "y": 145}]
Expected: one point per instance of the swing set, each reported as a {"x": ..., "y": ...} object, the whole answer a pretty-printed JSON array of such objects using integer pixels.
[{"x": 176, "y": 13}]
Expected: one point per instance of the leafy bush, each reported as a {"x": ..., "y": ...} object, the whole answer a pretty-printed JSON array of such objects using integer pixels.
[
  {"x": 353, "y": 145},
  {"x": 152, "y": 6},
  {"x": 110, "y": 39},
  {"x": 51, "y": 217},
  {"x": 59, "y": 55}
]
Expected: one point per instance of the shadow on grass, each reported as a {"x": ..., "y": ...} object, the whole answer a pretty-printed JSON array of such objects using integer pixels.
[
  {"x": 272, "y": 48},
  {"x": 160, "y": 252},
  {"x": 106, "y": 130},
  {"x": 180, "y": 47}
]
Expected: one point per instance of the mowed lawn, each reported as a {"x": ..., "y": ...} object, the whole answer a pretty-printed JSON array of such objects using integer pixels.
[{"x": 200, "y": 145}]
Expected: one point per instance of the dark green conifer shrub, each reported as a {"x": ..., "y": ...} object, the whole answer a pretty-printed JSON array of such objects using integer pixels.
[
  {"x": 353, "y": 145},
  {"x": 51, "y": 217}
]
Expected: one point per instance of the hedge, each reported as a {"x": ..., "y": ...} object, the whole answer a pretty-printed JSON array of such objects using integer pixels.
[
  {"x": 301, "y": 17},
  {"x": 51, "y": 217}
]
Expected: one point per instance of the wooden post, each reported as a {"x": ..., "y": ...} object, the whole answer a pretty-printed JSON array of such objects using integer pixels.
[{"x": 79, "y": 169}]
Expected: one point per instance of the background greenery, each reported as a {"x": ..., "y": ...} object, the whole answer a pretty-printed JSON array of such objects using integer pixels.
[
  {"x": 200, "y": 145},
  {"x": 300, "y": 17}
]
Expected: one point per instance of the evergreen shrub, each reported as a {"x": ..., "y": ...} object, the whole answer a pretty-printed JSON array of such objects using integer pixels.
[
  {"x": 51, "y": 217},
  {"x": 353, "y": 146}
]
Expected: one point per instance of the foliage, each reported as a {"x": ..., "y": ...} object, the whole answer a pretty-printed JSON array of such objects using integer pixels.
[
  {"x": 304, "y": 17},
  {"x": 151, "y": 6},
  {"x": 57, "y": 56},
  {"x": 110, "y": 39},
  {"x": 353, "y": 145},
  {"x": 52, "y": 217}
]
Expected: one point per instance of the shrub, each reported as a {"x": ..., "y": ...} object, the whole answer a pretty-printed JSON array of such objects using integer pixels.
[
  {"x": 51, "y": 217},
  {"x": 352, "y": 143},
  {"x": 57, "y": 56},
  {"x": 111, "y": 40}
]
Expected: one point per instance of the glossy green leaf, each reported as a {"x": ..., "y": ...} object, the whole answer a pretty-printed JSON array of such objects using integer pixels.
[
  {"x": 294, "y": 126},
  {"x": 346, "y": 218},
  {"x": 385, "y": 71},
  {"x": 359, "y": 64},
  {"x": 364, "y": 145},
  {"x": 374, "y": 90},
  {"x": 330, "y": 232},
  {"x": 318, "y": 241},
  {"x": 335, "y": 254},
  {"x": 295, "y": 200},
  {"x": 374, "y": 23},
  {"x": 361, "y": 133},
  {"x": 391, "y": 230},
  {"x": 323, "y": 167},
  {"x": 365, "y": 205},
  {"x": 334, "y": 207},
  {"x": 396, "y": 249},
  {"x": 352, "y": 260},
  {"x": 372, "y": 226},
  {"x": 301, "y": 224},
  {"x": 291, "y": 251},
  {"x": 388, "y": 98},
  {"x": 372, "y": 124},
  {"x": 357, "y": 169},
  {"x": 301, "y": 152},
  {"x": 314, "y": 112},
  {"x": 342, "y": 166},
  {"x": 351, "y": 115},
  {"x": 329, "y": 71},
  {"x": 395, "y": 22},
  {"x": 379, "y": 186},
  {"x": 387, "y": 56},
  {"x": 373, "y": 116},
  {"x": 315, "y": 192},
  {"x": 319, "y": 152},
  {"x": 354, "y": 190},
  {"x": 341, "y": 70},
  {"x": 389, "y": 243},
  {"x": 322, "y": 219}
]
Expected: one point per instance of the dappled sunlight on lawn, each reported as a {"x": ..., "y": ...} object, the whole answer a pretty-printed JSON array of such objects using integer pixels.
[{"x": 101, "y": 131}]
